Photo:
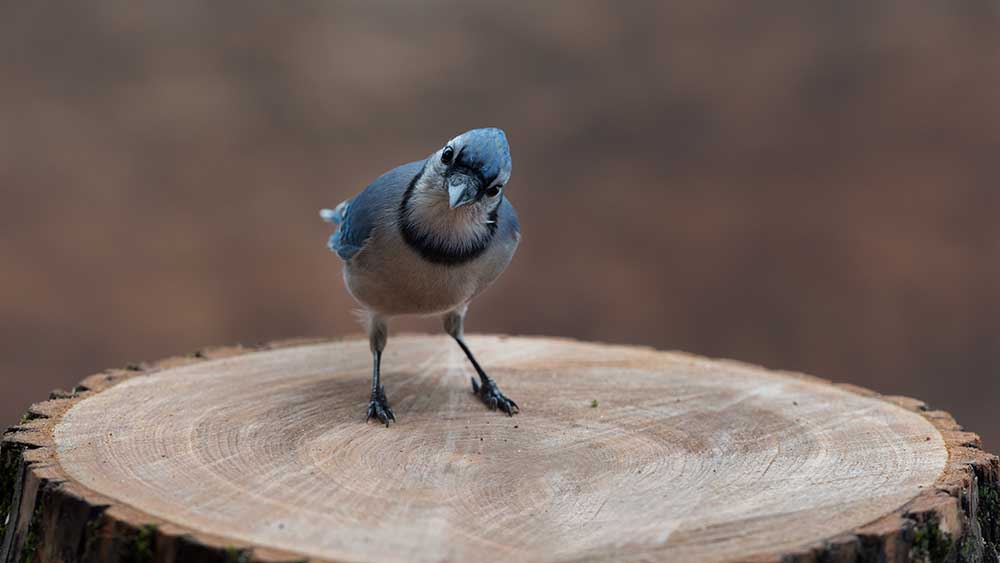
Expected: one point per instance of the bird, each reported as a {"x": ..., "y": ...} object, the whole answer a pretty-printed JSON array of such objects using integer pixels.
[{"x": 426, "y": 238}]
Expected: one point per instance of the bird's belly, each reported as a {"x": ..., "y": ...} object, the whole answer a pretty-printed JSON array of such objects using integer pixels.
[{"x": 400, "y": 282}]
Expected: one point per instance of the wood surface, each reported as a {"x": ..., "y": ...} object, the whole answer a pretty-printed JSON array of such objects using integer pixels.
[{"x": 619, "y": 453}]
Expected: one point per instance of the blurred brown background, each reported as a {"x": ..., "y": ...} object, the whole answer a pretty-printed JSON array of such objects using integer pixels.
[{"x": 809, "y": 185}]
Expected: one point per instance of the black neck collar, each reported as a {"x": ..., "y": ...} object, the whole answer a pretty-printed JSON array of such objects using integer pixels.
[{"x": 433, "y": 250}]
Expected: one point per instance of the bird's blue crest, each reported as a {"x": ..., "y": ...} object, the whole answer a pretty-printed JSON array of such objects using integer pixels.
[{"x": 487, "y": 151}]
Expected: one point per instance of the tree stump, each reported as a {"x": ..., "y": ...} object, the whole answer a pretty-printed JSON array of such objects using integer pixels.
[{"x": 619, "y": 453}]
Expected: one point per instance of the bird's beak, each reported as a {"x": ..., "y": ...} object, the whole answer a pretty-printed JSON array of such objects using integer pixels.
[{"x": 462, "y": 190}]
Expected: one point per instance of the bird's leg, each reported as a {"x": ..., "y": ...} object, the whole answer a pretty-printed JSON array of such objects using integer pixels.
[
  {"x": 378, "y": 406},
  {"x": 486, "y": 388}
]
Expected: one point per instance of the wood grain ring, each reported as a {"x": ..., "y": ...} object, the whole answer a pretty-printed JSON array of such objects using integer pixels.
[{"x": 619, "y": 453}]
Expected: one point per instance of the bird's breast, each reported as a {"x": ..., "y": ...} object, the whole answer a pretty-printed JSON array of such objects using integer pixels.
[{"x": 390, "y": 278}]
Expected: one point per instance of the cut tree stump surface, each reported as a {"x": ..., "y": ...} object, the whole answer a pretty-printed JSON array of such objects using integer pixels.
[{"x": 618, "y": 453}]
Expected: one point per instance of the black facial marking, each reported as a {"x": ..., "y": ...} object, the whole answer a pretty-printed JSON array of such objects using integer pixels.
[
  {"x": 433, "y": 251},
  {"x": 471, "y": 166},
  {"x": 471, "y": 173}
]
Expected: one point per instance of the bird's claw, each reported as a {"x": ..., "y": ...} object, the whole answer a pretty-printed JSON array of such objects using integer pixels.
[
  {"x": 378, "y": 407},
  {"x": 490, "y": 394}
]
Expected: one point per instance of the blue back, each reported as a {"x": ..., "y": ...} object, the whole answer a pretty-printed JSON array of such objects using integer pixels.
[{"x": 362, "y": 213}]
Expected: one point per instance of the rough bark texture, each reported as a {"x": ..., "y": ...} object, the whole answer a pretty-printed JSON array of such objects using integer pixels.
[{"x": 47, "y": 515}]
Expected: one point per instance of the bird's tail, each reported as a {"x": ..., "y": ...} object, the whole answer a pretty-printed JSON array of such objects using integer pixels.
[{"x": 335, "y": 215}]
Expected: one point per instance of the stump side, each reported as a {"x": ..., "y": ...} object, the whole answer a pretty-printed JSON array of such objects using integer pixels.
[{"x": 52, "y": 517}]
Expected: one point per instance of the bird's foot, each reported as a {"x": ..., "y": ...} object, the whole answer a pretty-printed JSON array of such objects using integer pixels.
[
  {"x": 490, "y": 394},
  {"x": 378, "y": 407}
]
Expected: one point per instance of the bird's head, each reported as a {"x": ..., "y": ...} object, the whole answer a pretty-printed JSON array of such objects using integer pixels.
[{"x": 471, "y": 169}]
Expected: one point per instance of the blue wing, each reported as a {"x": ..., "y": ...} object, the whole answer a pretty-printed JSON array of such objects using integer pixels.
[
  {"x": 359, "y": 215},
  {"x": 507, "y": 221}
]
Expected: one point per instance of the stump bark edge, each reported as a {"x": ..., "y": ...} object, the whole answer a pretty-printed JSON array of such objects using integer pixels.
[{"x": 45, "y": 516}]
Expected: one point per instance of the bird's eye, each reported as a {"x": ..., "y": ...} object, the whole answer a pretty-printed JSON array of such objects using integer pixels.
[
  {"x": 493, "y": 191},
  {"x": 447, "y": 155}
]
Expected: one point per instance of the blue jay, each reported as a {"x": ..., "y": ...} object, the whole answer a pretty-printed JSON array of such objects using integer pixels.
[{"x": 425, "y": 238}]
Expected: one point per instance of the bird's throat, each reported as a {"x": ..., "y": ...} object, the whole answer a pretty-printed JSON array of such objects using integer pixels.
[{"x": 440, "y": 233}]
